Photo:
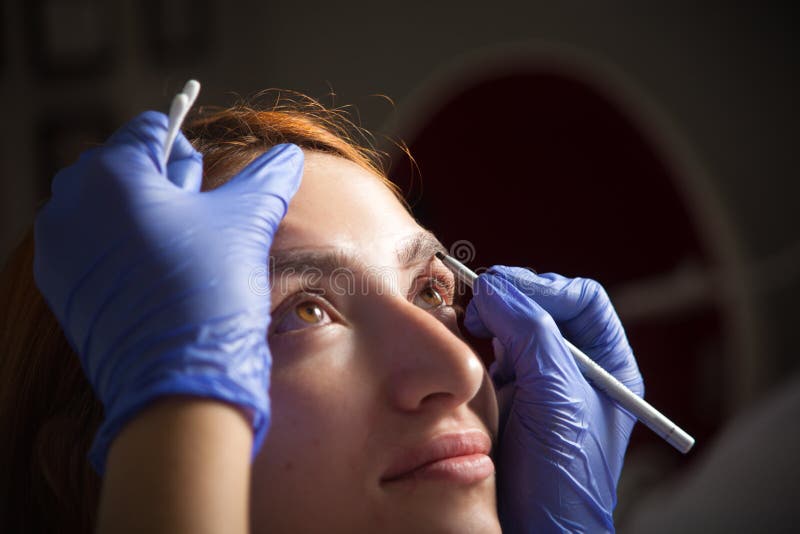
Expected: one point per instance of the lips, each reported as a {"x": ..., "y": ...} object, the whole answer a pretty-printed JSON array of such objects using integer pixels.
[{"x": 458, "y": 457}]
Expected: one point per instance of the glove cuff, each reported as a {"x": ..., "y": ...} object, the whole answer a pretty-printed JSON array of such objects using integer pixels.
[{"x": 249, "y": 395}]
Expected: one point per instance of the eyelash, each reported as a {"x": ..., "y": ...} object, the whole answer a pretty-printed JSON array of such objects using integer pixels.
[
  {"x": 444, "y": 286},
  {"x": 447, "y": 285}
]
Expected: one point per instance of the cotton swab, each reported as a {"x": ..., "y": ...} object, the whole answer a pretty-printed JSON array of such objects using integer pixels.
[{"x": 177, "y": 113}]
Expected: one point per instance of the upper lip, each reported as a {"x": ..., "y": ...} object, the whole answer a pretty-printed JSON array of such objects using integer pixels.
[{"x": 450, "y": 445}]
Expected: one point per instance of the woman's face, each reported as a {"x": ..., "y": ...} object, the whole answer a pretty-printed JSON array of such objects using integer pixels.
[{"x": 371, "y": 381}]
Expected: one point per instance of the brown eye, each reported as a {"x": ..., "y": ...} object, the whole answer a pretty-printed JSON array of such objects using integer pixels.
[
  {"x": 309, "y": 312},
  {"x": 428, "y": 298}
]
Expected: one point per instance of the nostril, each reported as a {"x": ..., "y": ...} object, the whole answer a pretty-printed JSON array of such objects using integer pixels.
[{"x": 440, "y": 396}]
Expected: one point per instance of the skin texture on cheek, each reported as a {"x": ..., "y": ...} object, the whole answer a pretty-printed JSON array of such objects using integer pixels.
[{"x": 311, "y": 449}]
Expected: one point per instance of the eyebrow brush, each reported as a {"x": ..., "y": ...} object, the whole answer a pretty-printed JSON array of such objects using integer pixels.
[{"x": 602, "y": 379}]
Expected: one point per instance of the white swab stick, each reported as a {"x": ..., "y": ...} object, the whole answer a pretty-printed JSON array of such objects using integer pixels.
[{"x": 177, "y": 113}]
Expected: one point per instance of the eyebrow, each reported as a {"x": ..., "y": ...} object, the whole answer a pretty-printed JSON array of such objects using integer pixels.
[{"x": 409, "y": 251}]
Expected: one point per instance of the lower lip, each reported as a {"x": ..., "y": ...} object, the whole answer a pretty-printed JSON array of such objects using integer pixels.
[{"x": 467, "y": 469}]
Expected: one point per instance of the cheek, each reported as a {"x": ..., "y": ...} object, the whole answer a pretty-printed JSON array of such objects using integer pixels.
[
  {"x": 317, "y": 431},
  {"x": 317, "y": 406}
]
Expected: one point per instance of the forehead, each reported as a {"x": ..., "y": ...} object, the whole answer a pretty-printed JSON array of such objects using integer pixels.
[{"x": 343, "y": 206}]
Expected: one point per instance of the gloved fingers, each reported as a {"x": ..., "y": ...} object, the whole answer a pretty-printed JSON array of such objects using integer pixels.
[
  {"x": 499, "y": 309},
  {"x": 501, "y": 370},
  {"x": 132, "y": 155},
  {"x": 505, "y": 400},
  {"x": 268, "y": 183},
  {"x": 185, "y": 165},
  {"x": 473, "y": 322},
  {"x": 532, "y": 343},
  {"x": 146, "y": 132},
  {"x": 563, "y": 298},
  {"x": 580, "y": 306},
  {"x": 584, "y": 314},
  {"x": 62, "y": 185}
]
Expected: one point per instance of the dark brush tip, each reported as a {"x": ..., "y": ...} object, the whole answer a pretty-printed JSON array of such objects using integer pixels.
[{"x": 440, "y": 254}]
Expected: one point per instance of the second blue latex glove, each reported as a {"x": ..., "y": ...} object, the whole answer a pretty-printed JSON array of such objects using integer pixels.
[
  {"x": 562, "y": 442},
  {"x": 160, "y": 288}
]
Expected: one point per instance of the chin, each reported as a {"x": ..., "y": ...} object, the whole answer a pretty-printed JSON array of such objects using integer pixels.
[
  {"x": 469, "y": 522},
  {"x": 439, "y": 508}
]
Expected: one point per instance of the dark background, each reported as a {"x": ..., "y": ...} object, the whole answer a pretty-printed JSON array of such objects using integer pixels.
[{"x": 650, "y": 145}]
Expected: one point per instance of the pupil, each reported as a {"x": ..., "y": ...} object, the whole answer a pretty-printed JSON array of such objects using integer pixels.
[
  {"x": 309, "y": 313},
  {"x": 432, "y": 296}
]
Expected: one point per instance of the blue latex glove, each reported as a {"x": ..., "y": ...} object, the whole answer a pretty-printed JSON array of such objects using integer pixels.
[
  {"x": 562, "y": 442},
  {"x": 160, "y": 289}
]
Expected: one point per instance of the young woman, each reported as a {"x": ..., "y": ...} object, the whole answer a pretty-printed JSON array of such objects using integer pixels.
[{"x": 269, "y": 343}]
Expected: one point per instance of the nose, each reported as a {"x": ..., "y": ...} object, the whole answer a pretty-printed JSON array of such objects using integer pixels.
[{"x": 425, "y": 365}]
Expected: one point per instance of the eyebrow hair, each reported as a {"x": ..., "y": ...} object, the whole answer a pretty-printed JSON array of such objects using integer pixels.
[
  {"x": 417, "y": 248},
  {"x": 413, "y": 249}
]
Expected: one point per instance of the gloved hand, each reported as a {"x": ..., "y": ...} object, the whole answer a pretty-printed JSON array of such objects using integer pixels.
[
  {"x": 160, "y": 288},
  {"x": 562, "y": 442}
]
